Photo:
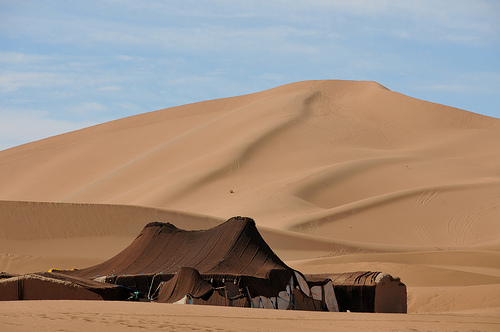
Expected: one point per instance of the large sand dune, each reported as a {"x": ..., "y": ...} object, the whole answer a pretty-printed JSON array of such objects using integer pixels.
[{"x": 338, "y": 175}]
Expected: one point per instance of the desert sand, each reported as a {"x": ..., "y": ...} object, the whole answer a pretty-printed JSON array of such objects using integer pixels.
[{"x": 338, "y": 175}]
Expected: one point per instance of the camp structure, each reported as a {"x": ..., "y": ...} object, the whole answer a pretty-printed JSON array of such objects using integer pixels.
[
  {"x": 229, "y": 264},
  {"x": 364, "y": 291},
  {"x": 55, "y": 286}
]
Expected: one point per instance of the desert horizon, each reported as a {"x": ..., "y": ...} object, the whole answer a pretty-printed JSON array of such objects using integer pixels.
[{"x": 338, "y": 175}]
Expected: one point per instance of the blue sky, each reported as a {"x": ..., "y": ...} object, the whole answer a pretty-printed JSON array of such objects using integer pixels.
[{"x": 65, "y": 65}]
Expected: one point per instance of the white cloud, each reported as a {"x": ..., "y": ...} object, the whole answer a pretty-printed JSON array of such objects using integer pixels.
[
  {"x": 109, "y": 88},
  {"x": 12, "y": 81},
  {"x": 124, "y": 57},
  {"x": 448, "y": 87},
  {"x": 129, "y": 106},
  {"x": 86, "y": 109},
  {"x": 469, "y": 82},
  {"x": 19, "y": 58}
]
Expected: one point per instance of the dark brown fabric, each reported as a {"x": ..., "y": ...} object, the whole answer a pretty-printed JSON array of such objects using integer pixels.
[
  {"x": 269, "y": 287},
  {"x": 53, "y": 286},
  {"x": 303, "y": 302},
  {"x": 186, "y": 281},
  {"x": 354, "y": 278},
  {"x": 10, "y": 289},
  {"x": 355, "y": 291},
  {"x": 390, "y": 296},
  {"x": 232, "y": 255},
  {"x": 234, "y": 248},
  {"x": 220, "y": 300},
  {"x": 147, "y": 284},
  {"x": 225, "y": 265},
  {"x": 359, "y": 291}
]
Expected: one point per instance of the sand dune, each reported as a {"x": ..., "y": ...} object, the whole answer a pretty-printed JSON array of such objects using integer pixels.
[
  {"x": 33, "y": 233},
  {"x": 338, "y": 175}
]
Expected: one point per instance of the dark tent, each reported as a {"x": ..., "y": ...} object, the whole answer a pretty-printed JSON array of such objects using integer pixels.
[
  {"x": 54, "y": 286},
  {"x": 234, "y": 247},
  {"x": 229, "y": 264},
  {"x": 365, "y": 291}
]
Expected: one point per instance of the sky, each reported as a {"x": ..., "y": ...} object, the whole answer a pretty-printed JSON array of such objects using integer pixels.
[{"x": 65, "y": 65}]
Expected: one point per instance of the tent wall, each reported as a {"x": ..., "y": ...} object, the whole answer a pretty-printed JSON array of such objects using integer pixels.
[
  {"x": 218, "y": 300},
  {"x": 30, "y": 288},
  {"x": 53, "y": 286},
  {"x": 390, "y": 296},
  {"x": 147, "y": 284},
  {"x": 366, "y": 291},
  {"x": 303, "y": 302},
  {"x": 326, "y": 294}
]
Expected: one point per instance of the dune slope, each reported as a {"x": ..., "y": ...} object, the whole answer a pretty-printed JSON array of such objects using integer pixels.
[
  {"x": 350, "y": 173},
  {"x": 318, "y": 157}
]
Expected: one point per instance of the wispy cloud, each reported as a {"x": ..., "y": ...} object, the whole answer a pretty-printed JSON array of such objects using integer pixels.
[
  {"x": 448, "y": 87},
  {"x": 12, "y": 81},
  {"x": 124, "y": 57},
  {"x": 470, "y": 82},
  {"x": 87, "y": 108},
  {"x": 22, "y": 58},
  {"x": 109, "y": 88}
]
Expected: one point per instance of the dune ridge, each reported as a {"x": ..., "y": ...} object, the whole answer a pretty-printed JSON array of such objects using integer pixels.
[
  {"x": 338, "y": 175},
  {"x": 96, "y": 231}
]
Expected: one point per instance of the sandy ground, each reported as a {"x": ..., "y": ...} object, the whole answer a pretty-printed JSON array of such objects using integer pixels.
[
  {"x": 91, "y": 316},
  {"x": 338, "y": 175}
]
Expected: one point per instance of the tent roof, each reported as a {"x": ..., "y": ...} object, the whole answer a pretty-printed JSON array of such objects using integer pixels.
[{"x": 234, "y": 247}]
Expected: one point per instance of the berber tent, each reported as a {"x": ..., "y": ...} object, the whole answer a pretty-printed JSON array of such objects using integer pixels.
[{"x": 229, "y": 264}]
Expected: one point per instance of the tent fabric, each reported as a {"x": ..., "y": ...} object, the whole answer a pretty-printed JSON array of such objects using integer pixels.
[
  {"x": 232, "y": 251},
  {"x": 147, "y": 284},
  {"x": 53, "y": 286},
  {"x": 229, "y": 264},
  {"x": 304, "y": 302},
  {"x": 218, "y": 300},
  {"x": 365, "y": 291},
  {"x": 232, "y": 248},
  {"x": 186, "y": 281},
  {"x": 326, "y": 294}
]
